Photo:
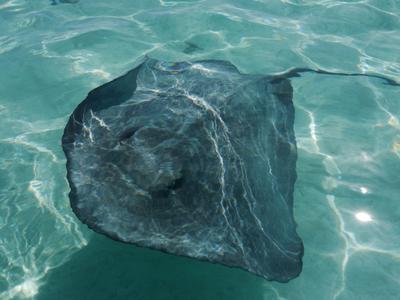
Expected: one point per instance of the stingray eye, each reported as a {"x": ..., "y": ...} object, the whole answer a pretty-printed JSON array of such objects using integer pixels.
[
  {"x": 171, "y": 67},
  {"x": 127, "y": 134},
  {"x": 176, "y": 184}
]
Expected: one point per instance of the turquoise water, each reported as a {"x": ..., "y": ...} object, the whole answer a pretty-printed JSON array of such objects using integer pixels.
[{"x": 347, "y": 129}]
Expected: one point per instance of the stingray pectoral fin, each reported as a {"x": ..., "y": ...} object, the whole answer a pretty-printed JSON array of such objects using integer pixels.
[{"x": 283, "y": 90}]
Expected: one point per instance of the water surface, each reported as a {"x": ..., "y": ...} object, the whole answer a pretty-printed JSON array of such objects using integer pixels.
[{"x": 347, "y": 129}]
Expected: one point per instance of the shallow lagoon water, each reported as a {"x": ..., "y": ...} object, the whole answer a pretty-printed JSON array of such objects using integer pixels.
[{"x": 347, "y": 130}]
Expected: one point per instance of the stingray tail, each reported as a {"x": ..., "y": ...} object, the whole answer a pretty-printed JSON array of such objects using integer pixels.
[{"x": 296, "y": 72}]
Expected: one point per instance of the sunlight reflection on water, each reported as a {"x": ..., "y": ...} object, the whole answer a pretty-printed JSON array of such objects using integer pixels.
[{"x": 348, "y": 131}]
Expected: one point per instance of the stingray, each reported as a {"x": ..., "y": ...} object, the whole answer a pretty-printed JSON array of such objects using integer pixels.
[
  {"x": 194, "y": 159},
  {"x": 55, "y": 2}
]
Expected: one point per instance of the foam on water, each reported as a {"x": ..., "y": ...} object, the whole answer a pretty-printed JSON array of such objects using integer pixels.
[{"x": 347, "y": 129}]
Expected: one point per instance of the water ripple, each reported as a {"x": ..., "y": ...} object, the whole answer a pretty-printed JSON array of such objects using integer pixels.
[{"x": 347, "y": 130}]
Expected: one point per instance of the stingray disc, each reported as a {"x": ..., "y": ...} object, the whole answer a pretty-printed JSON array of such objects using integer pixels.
[{"x": 191, "y": 158}]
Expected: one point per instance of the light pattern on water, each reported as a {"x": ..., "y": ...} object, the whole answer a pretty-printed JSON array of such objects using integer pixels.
[{"x": 348, "y": 135}]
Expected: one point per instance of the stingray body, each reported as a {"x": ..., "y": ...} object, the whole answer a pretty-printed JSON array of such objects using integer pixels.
[{"x": 194, "y": 159}]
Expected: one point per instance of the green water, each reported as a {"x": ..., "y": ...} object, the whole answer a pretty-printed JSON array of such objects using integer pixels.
[{"x": 348, "y": 133}]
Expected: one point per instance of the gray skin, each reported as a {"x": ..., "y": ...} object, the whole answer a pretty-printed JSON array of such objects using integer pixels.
[{"x": 193, "y": 159}]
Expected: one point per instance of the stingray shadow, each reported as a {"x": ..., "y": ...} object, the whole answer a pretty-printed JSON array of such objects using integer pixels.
[{"x": 106, "y": 269}]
